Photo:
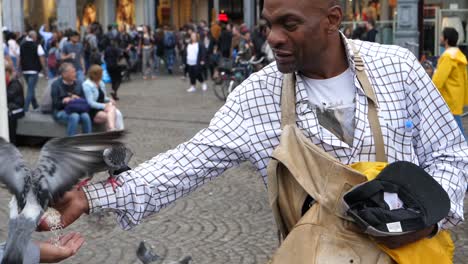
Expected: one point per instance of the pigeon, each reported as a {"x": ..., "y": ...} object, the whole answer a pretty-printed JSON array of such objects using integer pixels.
[
  {"x": 62, "y": 163},
  {"x": 184, "y": 260},
  {"x": 145, "y": 255},
  {"x": 117, "y": 159}
]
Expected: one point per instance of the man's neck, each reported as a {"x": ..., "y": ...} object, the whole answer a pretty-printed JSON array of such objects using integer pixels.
[
  {"x": 68, "y": 82},
  {"x": 332, "y": 62},
  {"x": 447, "y": 46}
]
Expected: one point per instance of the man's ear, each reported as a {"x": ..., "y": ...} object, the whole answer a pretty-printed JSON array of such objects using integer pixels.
[{"x": 335, "y": 16}]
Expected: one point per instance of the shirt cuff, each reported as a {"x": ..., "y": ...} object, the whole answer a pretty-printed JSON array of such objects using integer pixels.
[{"x": 100, "y": 196}]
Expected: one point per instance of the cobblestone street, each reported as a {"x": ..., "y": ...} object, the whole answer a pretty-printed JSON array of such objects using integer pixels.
[{"x": 226, "y": 221}]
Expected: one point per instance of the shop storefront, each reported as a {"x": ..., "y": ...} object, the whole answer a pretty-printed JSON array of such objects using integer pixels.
[
  {"x": 439, "y": 14},
  {"x": 37, "y": 13},
  {"x": 380, "y": 12}
]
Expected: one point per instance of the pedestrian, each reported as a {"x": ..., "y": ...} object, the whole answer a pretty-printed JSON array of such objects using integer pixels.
[
  {"x": 207, "y": 41},
  {"x": 236, "y": 40},
  {"x": 215, "y": 30},
  {"x": 90, "y": 44},
  {"x": 53, "y": 60},
  {"x": 112, "y": 55},
  {"x": 450, "y": 76},
  {"x": 65, "y": 39},
  {"x": 73, "y": 52},
  {"x": 186, "y": 41},
  {"x": 371, "y": 32},
  {"x": 68, "y": 104},
  {"x": 13, "y": 49},
  {"x": 32, "y": 61},
  {"x": 103, "y": 109},
  {"x": 299, "y": 102},
  {"x": 170, "y": 43},
  {"x": 225, "y": 41},
  {"x": 46, "y": 36},
  {"x": 246, "y": 46},
  {"x": 15, "y": 101},
  {"x": 146, "y": 47},
  {"x": 196, "y": 55},
  {"x": 159, "y": 49}
]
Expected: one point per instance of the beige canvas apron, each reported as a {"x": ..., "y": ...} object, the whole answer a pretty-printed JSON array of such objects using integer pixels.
[{"x": 299, "y": 168}]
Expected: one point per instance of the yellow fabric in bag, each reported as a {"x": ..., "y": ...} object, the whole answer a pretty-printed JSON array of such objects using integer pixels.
[{"x": 438, "y": 249}]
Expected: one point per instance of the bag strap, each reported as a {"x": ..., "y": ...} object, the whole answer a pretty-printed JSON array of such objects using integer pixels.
[
  {"x": 288, "y": 103},
  {"x": 372, "y": 103},
  {"x": 288, "y": 100}
]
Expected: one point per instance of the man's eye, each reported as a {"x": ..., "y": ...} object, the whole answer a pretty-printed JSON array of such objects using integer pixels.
[{"x": 290, "y": 26}]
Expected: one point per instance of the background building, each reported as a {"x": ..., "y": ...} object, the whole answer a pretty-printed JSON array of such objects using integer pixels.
[{"x": 19, "y": 15}]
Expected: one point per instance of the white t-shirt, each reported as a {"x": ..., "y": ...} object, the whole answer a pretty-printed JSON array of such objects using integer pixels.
[
  {"x": 13, "y": 48},
  {"x": 192, "y": 54},
  {"x": 335, "y": 105}
]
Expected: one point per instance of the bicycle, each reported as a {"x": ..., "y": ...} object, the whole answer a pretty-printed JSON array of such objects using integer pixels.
[{"x": 230, "y": 76}]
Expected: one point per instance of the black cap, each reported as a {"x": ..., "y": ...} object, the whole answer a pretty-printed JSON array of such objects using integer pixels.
[{"x": 425, "y": 202}]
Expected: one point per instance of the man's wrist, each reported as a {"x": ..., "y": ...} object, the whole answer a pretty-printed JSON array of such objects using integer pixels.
[
  {"x": 98, "y": 196},
  {"x": 84, "y": 206}
]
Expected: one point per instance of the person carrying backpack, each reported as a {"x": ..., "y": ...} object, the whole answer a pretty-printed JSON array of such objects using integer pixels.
[{"x": 169, "y": 49}]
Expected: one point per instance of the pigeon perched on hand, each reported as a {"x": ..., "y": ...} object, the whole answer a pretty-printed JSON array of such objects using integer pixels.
[
  {"x": 117, "y": 159},
  {"x": 62, "y": 163}
]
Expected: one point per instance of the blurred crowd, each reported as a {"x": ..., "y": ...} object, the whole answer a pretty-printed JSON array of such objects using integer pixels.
[{"x": 73, "y": 61}]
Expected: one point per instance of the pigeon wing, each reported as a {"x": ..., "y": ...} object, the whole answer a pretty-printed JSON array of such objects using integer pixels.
[
  {"x": 64, "y": 161},
  {"x": 13, "y": 169}
]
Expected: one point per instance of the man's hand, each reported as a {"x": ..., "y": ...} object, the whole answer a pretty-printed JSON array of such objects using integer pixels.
[
  {"x": 394, "y": 242},
  {"x": 71, "y": 207},
  {"x": 66, "y": 100},
  {"x": 68, "y": 246}
]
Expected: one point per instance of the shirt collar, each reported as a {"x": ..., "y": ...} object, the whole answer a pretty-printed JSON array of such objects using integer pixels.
[{"x": 302, "y": 97}]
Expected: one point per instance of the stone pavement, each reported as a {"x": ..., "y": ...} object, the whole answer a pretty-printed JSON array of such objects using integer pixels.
[{"x": 226, "y": 221}]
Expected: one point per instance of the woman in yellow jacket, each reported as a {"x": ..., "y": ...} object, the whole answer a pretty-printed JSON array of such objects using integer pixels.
[{"x": 451, "y": 75}]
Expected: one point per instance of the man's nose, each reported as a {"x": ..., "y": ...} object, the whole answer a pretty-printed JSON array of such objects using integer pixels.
[{"x": 276, "y": 38}]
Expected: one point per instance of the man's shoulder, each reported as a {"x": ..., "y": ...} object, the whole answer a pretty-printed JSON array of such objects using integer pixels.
[
  {"x": 374, "y": 51},
  {"x": 56, "y": 84},
  {"x": 267, "y": 81}
]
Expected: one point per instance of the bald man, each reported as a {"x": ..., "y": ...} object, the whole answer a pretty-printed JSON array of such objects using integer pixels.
[{"x": 331, "y": 111}]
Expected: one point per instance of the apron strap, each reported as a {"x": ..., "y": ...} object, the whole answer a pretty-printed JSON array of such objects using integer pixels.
[
  {"x": 372, "y": 105},
  {"x": 288, "y": 100}
]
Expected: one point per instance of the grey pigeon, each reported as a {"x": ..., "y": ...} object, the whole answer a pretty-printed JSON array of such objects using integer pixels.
[
  {"x": 184, "y": 260},
  {"x": 145, "y": 255},
  {"x": 62, "y": 163},
  {"x": 117, "y": 159}
]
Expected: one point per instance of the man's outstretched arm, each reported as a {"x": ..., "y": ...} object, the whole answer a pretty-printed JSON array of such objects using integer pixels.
[{"x": 168, "y": 176}]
